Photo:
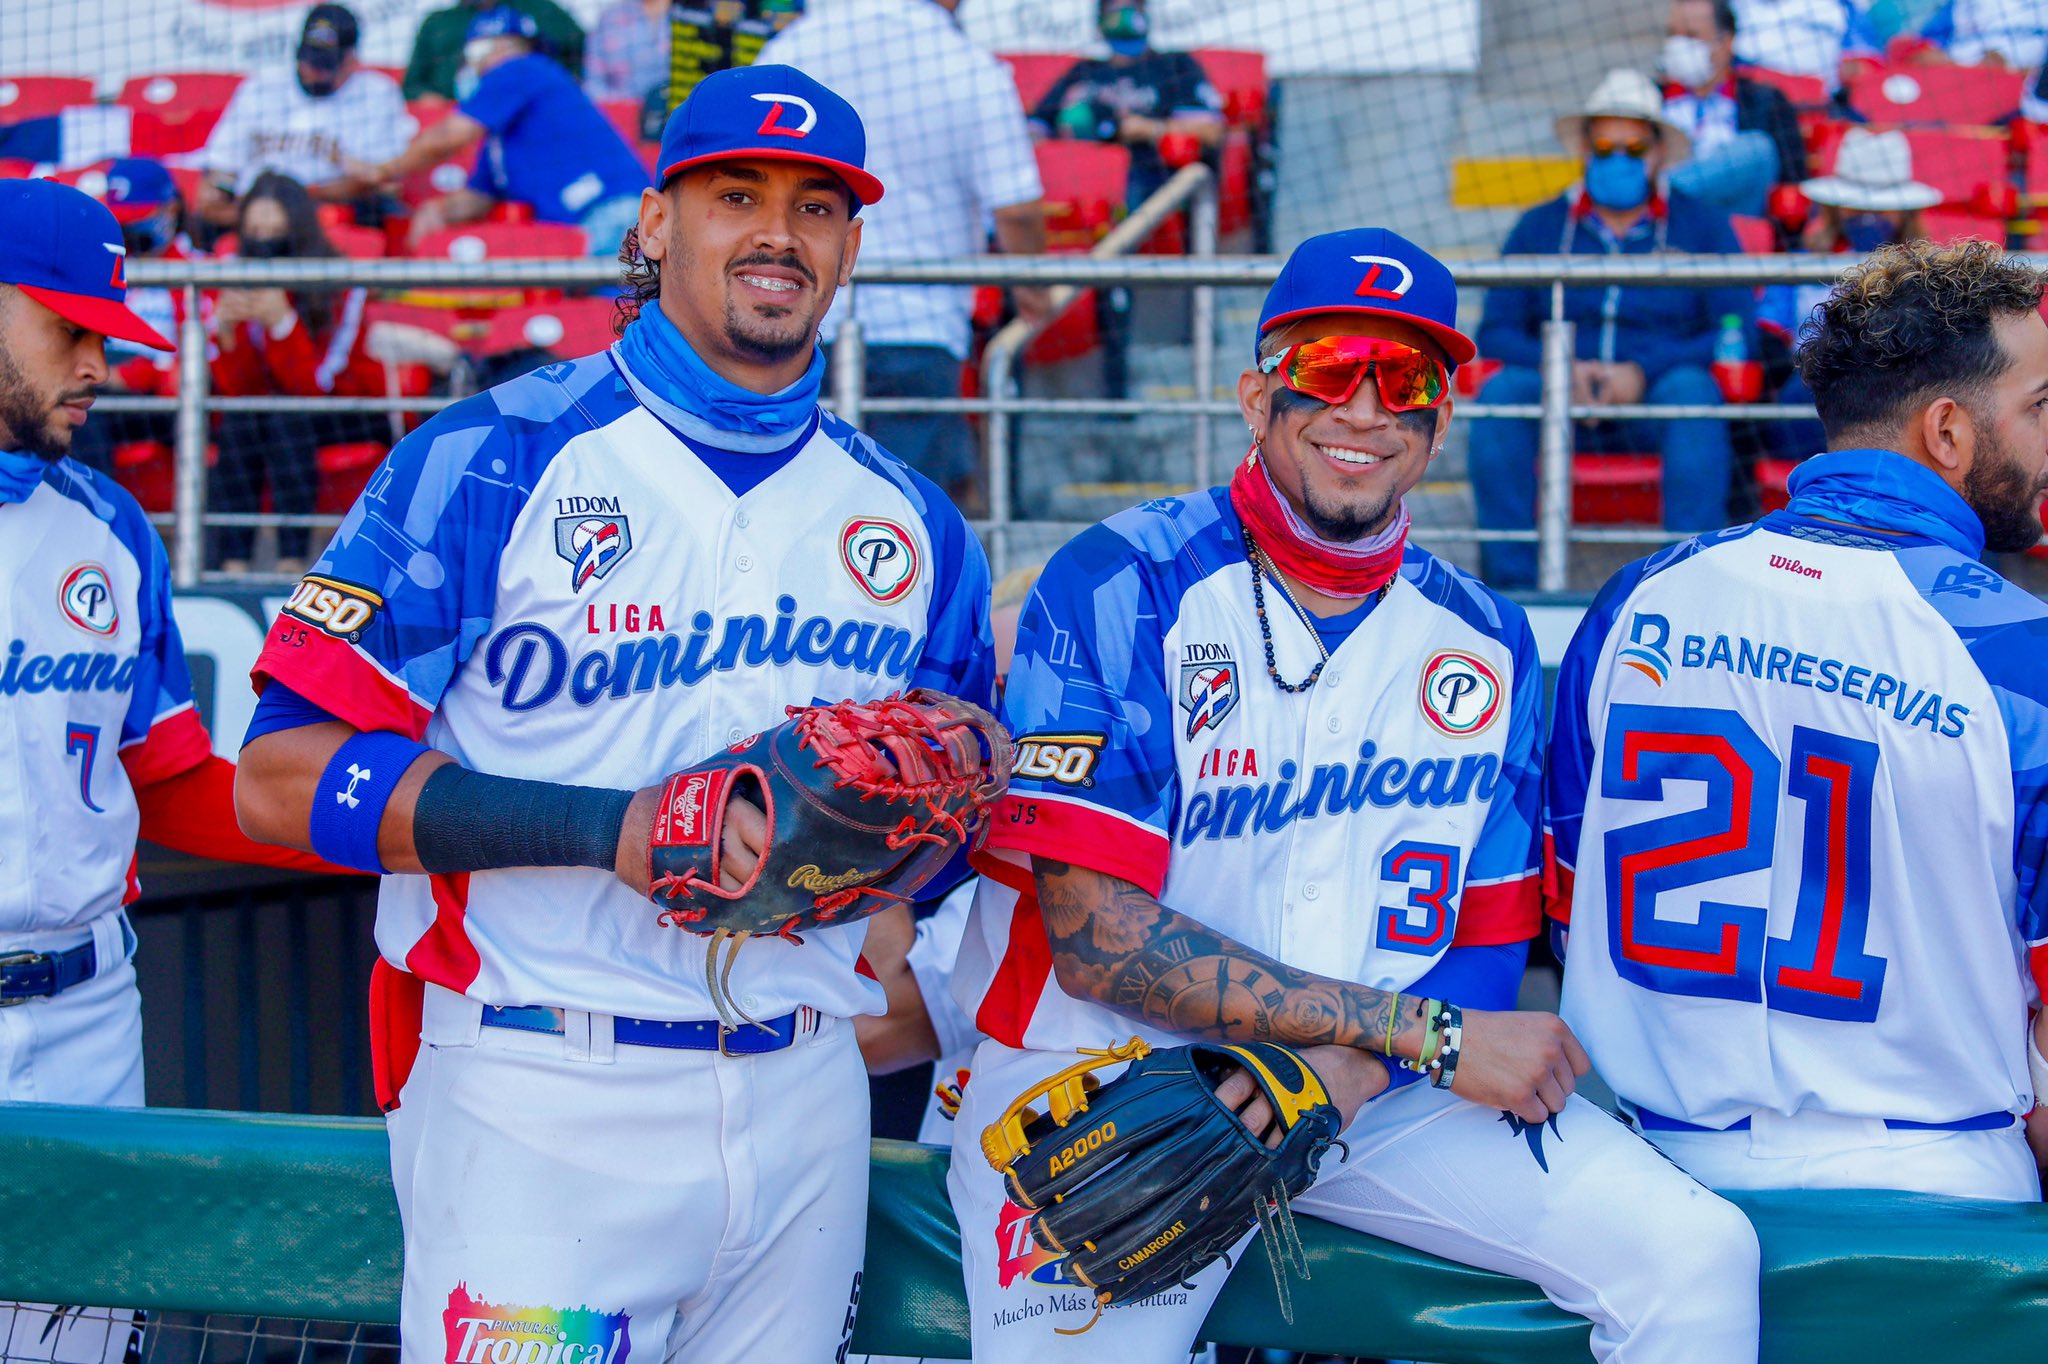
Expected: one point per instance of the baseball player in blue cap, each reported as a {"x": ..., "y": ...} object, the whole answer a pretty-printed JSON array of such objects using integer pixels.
[
  {"x": 1277, "y": 781},
  {"x": 96, "y": 714},
  {"x": 552, "y": 595}
]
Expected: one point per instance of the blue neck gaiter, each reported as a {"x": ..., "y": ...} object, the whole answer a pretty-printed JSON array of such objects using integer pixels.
[
  {"x": 1885, "y": 491},
  {"x": 20, "y": 471},
  {"x": 673, "y": 380}
]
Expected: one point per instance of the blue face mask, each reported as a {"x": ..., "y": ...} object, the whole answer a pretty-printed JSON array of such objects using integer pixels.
[
  {"x": 20, "y": 471},
  {"x": 1865, "y": 232},
  {"x": 1617, "y": 180},
  {"x": 1128, "y": 47}
]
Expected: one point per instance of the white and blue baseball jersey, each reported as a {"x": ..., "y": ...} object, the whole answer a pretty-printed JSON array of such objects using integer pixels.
[
  {"x": 1357, "y": 829},
  {"x": 1797, "y": 811},
  {"x": 95, "y": 699},
  {"x": 547, "y": 581}
]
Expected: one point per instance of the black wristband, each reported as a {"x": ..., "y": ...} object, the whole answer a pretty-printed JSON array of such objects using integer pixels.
[{"x": 473, "y": 821}]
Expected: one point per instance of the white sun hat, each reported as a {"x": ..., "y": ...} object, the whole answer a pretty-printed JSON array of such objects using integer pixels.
[
  {"x": 1873, "y": 172},
  {"x": 1623, "y": 93}
]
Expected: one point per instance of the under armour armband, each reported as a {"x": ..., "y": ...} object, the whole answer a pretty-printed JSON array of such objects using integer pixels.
[{"x": 349, "y": 802}]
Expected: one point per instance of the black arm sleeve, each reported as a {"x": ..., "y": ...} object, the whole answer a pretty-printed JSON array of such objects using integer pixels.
[{"x": 472, "y": 821}]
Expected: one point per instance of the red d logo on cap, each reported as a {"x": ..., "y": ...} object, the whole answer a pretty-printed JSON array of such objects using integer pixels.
[
  {"x": 1370, "y": 286},
  {"x": 773, "y": 124}
]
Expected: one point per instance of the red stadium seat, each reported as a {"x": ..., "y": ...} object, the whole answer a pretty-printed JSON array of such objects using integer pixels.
[
  {"x": 1805, "y": 92},
  {"x": 1036, "y": 73},
  {"x": 1772, "y": 475},
  {"x": 1234, "y": 183},
  {"x": 1936, "y": 94},
  {"x": 1473, "y": 374},
  {"x": 504, "y": 241},
  {"x": 1240, "y": 78},
  {"x": 1757, "y": 236},
  {"x": 147, "y": 469},
  {"x": 14, "y": 169},
  {"x": 569, "y": 327},
  {"x": 175, "y": 111},
  {"x": 1946, "y": 225},
  {"x": 1085, "y": 183},
  {"x": 446, "y": 177},
  {"x": 342, "y": 472},
  {"x": 358, "y": 243},
  {"x": 1618, "y": 489},
  {"x": 1958, "y": 163},
  {"x": 24, "y": 97},
  {"x": 92, "y": 179}
]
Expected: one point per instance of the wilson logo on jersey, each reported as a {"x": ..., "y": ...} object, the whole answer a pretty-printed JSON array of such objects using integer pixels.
[
  {"x": 593, "y": 545},
  {"x": 1460, "y": 694},
  {"x": 881, "y": 557},
  {"x": 1208, "y": 685},
  {"x": 333, "y": 606},
  {"x": 87, "y": 599},
  {"x": 1068, "y": 759},
  {"x": 1647, "y": 636}
]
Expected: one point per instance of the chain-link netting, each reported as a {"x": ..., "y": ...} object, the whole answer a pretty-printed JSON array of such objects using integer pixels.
[
  {"x": 1588, "y": 127},
  {"x": 41, "y": 1333}
]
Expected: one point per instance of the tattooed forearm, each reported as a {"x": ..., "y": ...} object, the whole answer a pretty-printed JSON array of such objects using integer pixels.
[{"x": 1117, "y": 945}]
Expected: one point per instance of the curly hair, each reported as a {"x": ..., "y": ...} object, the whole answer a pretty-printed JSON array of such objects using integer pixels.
[
  {"x": 1911, "y": 324},
  {"x": 639, "y": 282}
]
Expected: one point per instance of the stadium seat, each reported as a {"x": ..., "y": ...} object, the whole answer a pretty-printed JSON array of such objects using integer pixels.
[
  {"x": 445, "y": 177},
  {"x": 1085, "y": 183},
  {"x": 1959, "y": 163},
  {"x": 358, "y": 243},
  {"x": 1036, "y": 72},
  {"x": 176, "y": 110},
  {"x": 1756, "y": 236},
  {"x": 1240, "y": 78},
  {"x": 342, "y": 472},
  {"x": 92, "y": 179},
  {"x": 23, "y": 97},
  {"x": 1805, "y": 92},
  {"x": 1772, "y": 476},
  {"x": 1234, "y": 183},
  {"x": 1936, "y": 94},
  {"x": 569, "y": 327},
  {"x": 12, "y": 168},
  {"x": 1945, "y": 225},
  {"x": 1618, "y": 489},
  {"x": 504, "y": 241},
  {"x": 147, "y": 469}
]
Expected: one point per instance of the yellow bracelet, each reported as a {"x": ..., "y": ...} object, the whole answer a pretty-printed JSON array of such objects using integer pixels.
[{"x": 1393, "y": 1021}]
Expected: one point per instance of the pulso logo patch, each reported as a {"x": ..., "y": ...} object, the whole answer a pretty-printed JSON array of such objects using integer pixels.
[
  {"x": 333, "y": 607},
  {"x": 880, "y": 556},
  {"x": 86, "y": 598},
  {"x": 1068, "y": 759},
  {"x": 1461, "y": 695}
]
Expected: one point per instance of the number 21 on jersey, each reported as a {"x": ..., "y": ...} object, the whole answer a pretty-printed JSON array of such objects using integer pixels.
[{"x": 1820, "y": 969}]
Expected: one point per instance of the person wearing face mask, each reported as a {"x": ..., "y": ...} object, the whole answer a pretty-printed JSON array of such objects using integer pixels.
[
  {"x": 1635, "y": 344},
  {"x": 546, "y": 144},
  {"x": 436, "y": 64},
  {"x": 303, "y": 343},
  {"x": 146, "y": 203},
  {"x": 1745, "y": 135},
  {"x": 1870, "y": 200},
  {"x": 308, "y": 122}
]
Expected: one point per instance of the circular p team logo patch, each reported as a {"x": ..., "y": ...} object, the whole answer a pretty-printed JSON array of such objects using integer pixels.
[
  {"x": 1461, "y": 695},
  {"x": 881, "y": 556},
  {"x": 86, "y": 597}
]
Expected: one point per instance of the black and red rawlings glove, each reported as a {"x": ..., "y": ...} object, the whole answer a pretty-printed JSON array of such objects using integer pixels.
[{"x": 866, "y": 801}]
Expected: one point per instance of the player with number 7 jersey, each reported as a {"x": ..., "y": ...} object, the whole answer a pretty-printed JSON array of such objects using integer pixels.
[{"x": 1797, "y": 799}]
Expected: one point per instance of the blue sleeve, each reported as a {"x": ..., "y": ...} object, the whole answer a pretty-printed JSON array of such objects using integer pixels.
[
  {"x": 281, "y": 708},
  {"x": 1511, "y": 327},
  {"x": 163, "y": 682},
  {"x": 1502, "y": 898},
  {"x": 1487, "y": 977},
  {"x": 959, "y": 655},
  {"x": 1659, "y": 353},
  {"x": 501, "y": 96}
]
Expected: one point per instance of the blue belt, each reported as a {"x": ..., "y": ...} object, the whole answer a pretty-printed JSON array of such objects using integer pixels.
[
  {"x": 748, "y": 1039},
  {"x": 39, "y": 975},
  {"x": 1982, "y": 1122}
]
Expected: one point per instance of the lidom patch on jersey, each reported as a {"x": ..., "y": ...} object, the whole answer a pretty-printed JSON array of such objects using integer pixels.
[
  {"x": 86, "y": 597},
  {"x": 333, "y": 607},
  {"x": 1461, "y": 694},
  {"x": 880, "y": 556},
  {"x": 1066, "y": 759},
  {"x": 1208, "y": 685}
]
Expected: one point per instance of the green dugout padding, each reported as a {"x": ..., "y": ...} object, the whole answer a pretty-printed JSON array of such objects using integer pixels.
[{"x": 288, "y": 1216}]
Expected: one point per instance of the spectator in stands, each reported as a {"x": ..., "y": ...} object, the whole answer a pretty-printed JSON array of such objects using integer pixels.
[
  {"x": 305, "y": 343},
  {"x": 437, "y": 64},
  {"x": 310, "y": 123},
  {"x": 1745, "y": 134},
  {"x": 146, "y": 203},
  {"x": 548, "y": 145},
  {"x": 1635, "y": 345},
  {"x": 628, "y": 52},
  {"x": 1803, "y": 37},
  {"x": 2009, "y": 35},
  {"x": 1871, "y": 200},
  {"x": 953, "y": 149}
]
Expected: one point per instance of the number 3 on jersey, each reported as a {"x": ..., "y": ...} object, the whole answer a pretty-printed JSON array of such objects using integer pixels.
[
  {"x": 1429, "y": 873},
  {"x": 1820, "y": 969}
]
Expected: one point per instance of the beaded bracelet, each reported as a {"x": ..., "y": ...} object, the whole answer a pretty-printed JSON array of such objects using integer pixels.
[
  {"x": 1445, "y": 1067},
  {"x": 1432, "y": 1036}
]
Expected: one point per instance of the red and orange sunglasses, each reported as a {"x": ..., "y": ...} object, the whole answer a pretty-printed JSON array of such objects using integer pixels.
[{"x": 1330, "y": 369}]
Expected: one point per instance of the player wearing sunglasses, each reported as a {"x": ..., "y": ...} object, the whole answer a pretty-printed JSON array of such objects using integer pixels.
[{"x": 1278, "y": 782}]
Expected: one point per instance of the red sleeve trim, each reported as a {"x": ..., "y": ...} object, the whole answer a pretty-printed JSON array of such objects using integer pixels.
[
  {"x": 1085, "y": 835},
  {"x": 1022, "y": 975},
  {"x": 176, "y": 743},
  {"x": 2037, "y": 962},
  {"x": 1558, "y": 880},
  {"x": 1500, "y": 912},
  {"x": 338, "y": 677}
]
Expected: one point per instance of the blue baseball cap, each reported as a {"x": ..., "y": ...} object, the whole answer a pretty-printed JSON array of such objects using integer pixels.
[
  {"x": 1368, "y": 270},
  {"x": 64, "y": 251},
  {"x": 138, "y": 187},
  {"x": 771, "y": 113},
  {"x": 503, "y": 22}
]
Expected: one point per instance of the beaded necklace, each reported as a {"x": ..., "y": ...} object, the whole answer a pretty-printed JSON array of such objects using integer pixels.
[{"x": 1260, "y": 569}]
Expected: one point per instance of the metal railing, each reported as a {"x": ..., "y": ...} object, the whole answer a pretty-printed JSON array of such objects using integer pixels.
[{"x": 1108, "y": 266}]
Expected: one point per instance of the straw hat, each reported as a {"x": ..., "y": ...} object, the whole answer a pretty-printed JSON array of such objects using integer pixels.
[
  {"x": 1623, "y": 93},
  {"x": 1873, "y": 172}
]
